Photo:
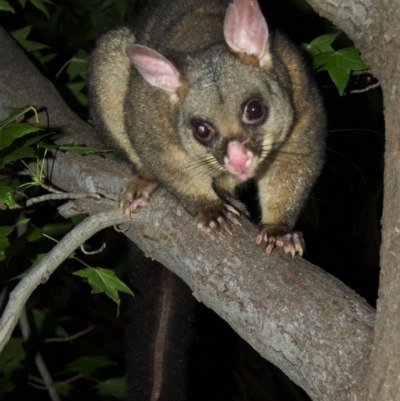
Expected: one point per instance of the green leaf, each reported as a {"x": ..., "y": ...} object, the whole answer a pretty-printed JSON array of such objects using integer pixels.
[
  {"x": 43, "y": 58},
  {"x": 77, "y": 66},
  {"x": 34, "y": 261},
  {"x": 88, "y": 364},
  {"x": 104, "y": 280},
  {"x": 55, "y": 229},
  {"x": 78, "y": 218},
  {"x": 321, "y": 44},
  {"x": 40, "y": 6},
  {"x": 4, "y": 243},
  {"x": 21, "y": 35},
  {"x": 45, "y": 145},
  {"x": 33, "y": 234},
  {"x": 339, "y": 65},
  {"x": 38, "y": 258},
  {"x": 115, "y": 387},
  {"x": 11, "y": 359},
  {"x": 64, "y": 389},
  {"x": 39, "y": 317},
  {"x": 60, "y": 332},
  {"x": 37, "y": 138},
  {"x": 15, "y": 113},
  {"x": 76, "y": 89},
  {"x": 82, "y": 150},
  {"x": 6, "y": 196},
  {"x": 5, "y": 6},
  {"x": 4, "y": 232},
  {"x": 22, "y": 149},
  {"x": 17, "y": 154},
  {"x": 121, "y": 6},
  {"x": 22, "y": 2},
  {"x": 6, "y": 385},
  {"x": 30, "y": 235},
  {"x": 12, "y": 356},
  {"x": 13, "y": 131}
]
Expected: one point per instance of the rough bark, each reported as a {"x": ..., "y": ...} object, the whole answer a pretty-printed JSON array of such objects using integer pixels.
[
  {"x": 374, "y": 26},
  {"x": 306, "y": 322}
]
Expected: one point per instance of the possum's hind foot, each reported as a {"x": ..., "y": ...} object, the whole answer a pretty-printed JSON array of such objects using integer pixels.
[
  {"x": 292, "y": 242},
  {"x": 136, "y": 194}
]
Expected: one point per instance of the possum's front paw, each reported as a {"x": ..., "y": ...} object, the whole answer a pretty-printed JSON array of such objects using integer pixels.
[
  {"x": 291, "y": 241},
  {"x": 135, "y": 194},
  {"x": 217, "y": 216}
]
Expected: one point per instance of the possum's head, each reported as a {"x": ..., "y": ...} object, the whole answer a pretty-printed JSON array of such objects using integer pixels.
[{"x": 233, "y": 108}]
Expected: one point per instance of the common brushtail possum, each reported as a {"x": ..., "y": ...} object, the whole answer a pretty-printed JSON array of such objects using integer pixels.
[{"x": 201, "y": 98}]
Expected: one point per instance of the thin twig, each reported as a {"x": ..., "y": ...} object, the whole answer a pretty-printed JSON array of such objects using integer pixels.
[
  {"x": 45, "y": 186},
  {"x": 361, "y": 72},
  {"x": 56, "y": 384},
  {"x": 368, "y": 88},
  {"x": 35, "y": 379},
  {"x": 61, "y": 196},
  {"x": 50, "y": 188},
  {"x": 67, "y": 381},
  {"x": 37, "y": 386},
  {"x": 69, "y": 338},
  {"x": 39, "y": 361},
  {"x": 122, "y": 230},
  {"x": 101, "y": 249}
]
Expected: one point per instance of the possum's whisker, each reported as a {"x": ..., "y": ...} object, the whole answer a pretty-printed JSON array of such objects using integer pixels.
[
  {"x": 349, "y": 160},
  {"x": 208, "y": 161},
  {"x": 198, "y": 170}
]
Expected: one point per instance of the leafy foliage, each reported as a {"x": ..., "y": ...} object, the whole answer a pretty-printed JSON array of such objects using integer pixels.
[
  {"x": 69, "y": 28},
  {"x": 104, "y": 280},
  {"x": 11, "y": 360},
  {"x": 56, "y": 35},
  {"x": 21, "y": 36},
  {"x": 6, "y": 6},
  {"x": 88, "y": 364},
  {"x": 21, "y": 142},
  {"x": 115, "y": 387},
  {"x": 5, "y": 231},
  {"x": 338, "y": 63}
]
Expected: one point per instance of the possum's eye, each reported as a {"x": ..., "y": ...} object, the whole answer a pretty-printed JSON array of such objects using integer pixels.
[
  {"x": 254, "y": 111},
  {"x": 203, "y": 131}
]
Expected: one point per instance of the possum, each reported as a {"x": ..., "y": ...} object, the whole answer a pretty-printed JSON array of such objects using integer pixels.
[{"x": 200, "y": 97}]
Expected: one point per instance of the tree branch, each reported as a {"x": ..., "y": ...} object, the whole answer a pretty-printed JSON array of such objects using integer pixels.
[
  {"x": 303, "y": 320},
  {"x": 374, "y": 26}
]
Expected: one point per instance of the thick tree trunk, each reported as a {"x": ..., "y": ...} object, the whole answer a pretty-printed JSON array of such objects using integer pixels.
[{"x": 374, "y": 26}]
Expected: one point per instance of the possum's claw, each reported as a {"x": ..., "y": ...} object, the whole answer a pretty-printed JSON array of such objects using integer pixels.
[
  {"x": 136, "y": 194},
  {"x": 292, "y": 242},
  {"x": 218, "y": 217}
]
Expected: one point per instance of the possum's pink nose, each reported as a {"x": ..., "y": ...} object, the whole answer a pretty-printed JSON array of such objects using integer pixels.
[{"x": 238, "y": 159}]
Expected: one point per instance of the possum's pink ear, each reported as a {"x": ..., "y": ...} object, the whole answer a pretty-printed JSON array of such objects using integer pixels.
[
  {"x": 154, "y": 67},
  {"x": 245, "y": 28}
]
